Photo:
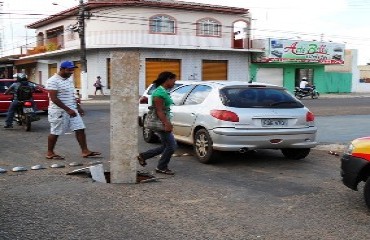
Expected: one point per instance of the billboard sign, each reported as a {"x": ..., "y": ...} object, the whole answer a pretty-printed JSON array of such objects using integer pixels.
[{"x": 278, "y": 50}]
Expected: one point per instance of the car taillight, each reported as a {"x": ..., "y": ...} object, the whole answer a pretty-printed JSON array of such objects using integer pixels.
[
  {"x": 310, "y": 117},
  {"x": 225, "y": 115},
  {"x": 143, "y": 100},
  {"x": 28, "y": 104}
]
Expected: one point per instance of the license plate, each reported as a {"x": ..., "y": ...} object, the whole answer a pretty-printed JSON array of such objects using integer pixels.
[
  {"x": 27, "y": 110},
  {"x": 268, "y": 122}
]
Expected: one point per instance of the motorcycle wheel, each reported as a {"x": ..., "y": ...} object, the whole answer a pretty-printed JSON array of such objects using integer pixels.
[
  {"x": 315, "y": 95},
  {"x": 18, "y": 117},
  {"x": 27, "y": 123},
  {"x": 297, "y": 95}
]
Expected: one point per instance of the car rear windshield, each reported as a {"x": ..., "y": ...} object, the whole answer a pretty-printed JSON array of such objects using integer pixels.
[{"x": 262, "y": 97}]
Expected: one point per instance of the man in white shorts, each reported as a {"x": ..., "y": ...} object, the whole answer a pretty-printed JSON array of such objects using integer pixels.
[{"x": 64, "y": 113}]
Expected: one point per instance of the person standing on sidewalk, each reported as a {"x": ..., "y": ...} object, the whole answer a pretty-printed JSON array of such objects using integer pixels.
[
  {"x": 162, "y": 101},
  {"x": 64, "y": 113},
  {"x": 98, "y": 85}
]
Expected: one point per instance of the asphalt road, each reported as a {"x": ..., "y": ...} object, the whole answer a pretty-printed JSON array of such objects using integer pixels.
[
  {"x": 340, "y": 120},
  {"x": 338, "y": 106},
  {"x": 250, "y": 196}
]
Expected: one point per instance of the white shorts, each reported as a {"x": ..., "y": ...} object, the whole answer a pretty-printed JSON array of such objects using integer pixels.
[{"x": 61, "y": 122}]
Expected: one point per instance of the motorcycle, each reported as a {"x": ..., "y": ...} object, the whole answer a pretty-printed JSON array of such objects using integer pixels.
[
  {"x": 301, "y": 93},
  {"x": 24, "y": 114}
]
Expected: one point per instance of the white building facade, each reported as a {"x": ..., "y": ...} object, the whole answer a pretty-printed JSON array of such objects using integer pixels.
[{"x": 195, "y": 41}]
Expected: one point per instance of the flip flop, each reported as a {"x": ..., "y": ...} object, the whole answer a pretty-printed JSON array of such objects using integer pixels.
[
  {"x": 55, "y": 157},
  {"x": 91, "y": 154}
]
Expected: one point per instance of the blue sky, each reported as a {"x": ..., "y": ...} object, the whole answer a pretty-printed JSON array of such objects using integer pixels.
[{"x": 343, "y": 21}]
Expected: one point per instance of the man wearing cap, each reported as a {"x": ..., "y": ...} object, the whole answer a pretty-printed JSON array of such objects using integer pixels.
[{"x": 64, "y": 113}]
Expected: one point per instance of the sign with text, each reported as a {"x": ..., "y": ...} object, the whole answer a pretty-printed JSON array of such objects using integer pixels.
[{"x": 278, "y": 50}]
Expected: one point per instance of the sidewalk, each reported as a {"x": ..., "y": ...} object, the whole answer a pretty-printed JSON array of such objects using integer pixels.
[
  {"x": 344, "y": 95},
  {"x": 97, "y": 99},
  {"x": 106, "y": 98}
]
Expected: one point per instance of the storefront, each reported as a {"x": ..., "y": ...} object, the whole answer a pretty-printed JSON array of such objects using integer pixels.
[{"x": 286, "y": 62}]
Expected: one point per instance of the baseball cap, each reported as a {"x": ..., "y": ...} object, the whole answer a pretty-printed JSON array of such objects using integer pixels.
[{"x": 67, "y": 64}]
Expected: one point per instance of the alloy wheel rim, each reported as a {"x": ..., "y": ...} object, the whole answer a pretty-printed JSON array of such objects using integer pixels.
[
  {"x": 146, "y": 132},
  {"x": 202, "y": 145}
]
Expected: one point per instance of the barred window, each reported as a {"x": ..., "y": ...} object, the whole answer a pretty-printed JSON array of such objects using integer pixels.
[
  {"x": 162, "y": 24},
  {"x": 209, "y": 27}
]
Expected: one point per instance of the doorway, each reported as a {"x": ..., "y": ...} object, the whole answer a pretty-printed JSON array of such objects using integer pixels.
[{"x": 304, "y": 72}]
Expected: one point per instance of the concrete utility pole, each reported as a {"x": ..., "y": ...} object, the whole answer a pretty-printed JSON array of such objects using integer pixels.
[
  {"x": 81, "y": 33},
  {"x": 123, "y": 115}
]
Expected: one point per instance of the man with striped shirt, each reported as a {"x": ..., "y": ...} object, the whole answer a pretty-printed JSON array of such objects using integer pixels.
[{"x": 64, "y": 112}]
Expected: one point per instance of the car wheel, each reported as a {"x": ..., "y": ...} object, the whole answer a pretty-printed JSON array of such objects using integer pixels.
[
  {"x": 203, "y": 146},
  {"x": 149, "y": 136},
  {"x": 367, "y": 192},
  {"x": 295, "y": 153}
]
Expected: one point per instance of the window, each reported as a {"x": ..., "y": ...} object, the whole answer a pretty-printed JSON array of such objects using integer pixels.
[
  {"x": 153, "y": 87},
  {"x": 162, "y": 24},
  {"x": 179, "y": 94},
  {"x": 209, "y": 27},
  {"x": 258, "y": 98},
  {"x": 198, "y": 95}
]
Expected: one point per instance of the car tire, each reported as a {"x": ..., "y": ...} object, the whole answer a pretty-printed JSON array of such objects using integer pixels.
[
  {"x": 150, "y": 136},
  {"x": 367, "y": 192},
  {"x": 203, "y": 146},
  {"x": 295, "y": 153}
]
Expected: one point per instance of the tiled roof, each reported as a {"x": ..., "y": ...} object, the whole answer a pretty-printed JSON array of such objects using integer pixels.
[{"x": 173, "y": 4}]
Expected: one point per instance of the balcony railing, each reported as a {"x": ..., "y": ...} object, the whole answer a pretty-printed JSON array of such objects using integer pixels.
[
  {"x": 138, "y": 38},
  {"x": 36, "y": 50}
]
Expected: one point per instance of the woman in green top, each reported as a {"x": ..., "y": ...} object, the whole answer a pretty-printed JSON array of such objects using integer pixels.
[{"x": 162, "y": 101}]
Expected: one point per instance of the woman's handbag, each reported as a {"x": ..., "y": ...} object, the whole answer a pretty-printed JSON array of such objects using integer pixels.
[{"x": 152, "y": 121}]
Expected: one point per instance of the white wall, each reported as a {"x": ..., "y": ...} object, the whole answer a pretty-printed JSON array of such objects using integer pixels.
[
  {"x": 117, "y": 27},
  {"x": 356, "y": 85}
]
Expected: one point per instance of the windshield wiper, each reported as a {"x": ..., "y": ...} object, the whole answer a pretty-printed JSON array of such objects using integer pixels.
[{"x": 283, "y": 102}]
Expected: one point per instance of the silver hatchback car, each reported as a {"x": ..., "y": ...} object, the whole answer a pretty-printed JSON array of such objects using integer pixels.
[{"x": 238, "y": 116}]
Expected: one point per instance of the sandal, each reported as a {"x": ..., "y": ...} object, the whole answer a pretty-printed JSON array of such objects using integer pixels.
[
  {"x": 165, "y": 171},
  {"x": 141, "y": 160},
  {"x": 92, "y": 155},
  {"x": 55, "y": 157}
]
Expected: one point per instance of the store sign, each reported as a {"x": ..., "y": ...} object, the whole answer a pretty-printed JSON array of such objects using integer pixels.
[{"x": 277, "y": 50}]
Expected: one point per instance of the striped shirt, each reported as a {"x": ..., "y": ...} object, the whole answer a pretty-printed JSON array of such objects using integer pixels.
[{"x": 65, "y": 88}]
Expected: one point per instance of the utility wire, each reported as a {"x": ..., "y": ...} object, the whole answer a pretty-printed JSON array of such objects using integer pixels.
[{"x": 117, "y": 19}]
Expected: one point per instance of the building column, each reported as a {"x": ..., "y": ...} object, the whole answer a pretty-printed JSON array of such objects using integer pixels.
[{"x": 123, "y": 114}]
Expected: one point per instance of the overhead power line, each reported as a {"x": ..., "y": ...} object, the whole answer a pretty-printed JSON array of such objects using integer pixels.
[{"x": 109, "y": 16}]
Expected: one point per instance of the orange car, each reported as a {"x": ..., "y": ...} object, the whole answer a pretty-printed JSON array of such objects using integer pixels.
[
  {"x": 40, "y": 95},
  {"x": 355, "y": 166}
]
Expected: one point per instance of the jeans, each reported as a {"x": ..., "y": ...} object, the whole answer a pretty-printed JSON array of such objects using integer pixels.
[
  {"x": 12, "y": 108},
  {"x": 167, "y": 149}
]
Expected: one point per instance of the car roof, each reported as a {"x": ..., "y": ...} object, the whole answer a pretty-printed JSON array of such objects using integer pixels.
[
  {"x": 226, "y": 83},
  {"x": 7, "y": 79}
]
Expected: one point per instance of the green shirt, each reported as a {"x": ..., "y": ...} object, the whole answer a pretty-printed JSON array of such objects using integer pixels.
[{"x": 161, "y": 92}]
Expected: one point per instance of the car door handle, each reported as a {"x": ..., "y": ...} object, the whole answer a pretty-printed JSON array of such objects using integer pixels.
[{"x": 192, "y": 114}]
